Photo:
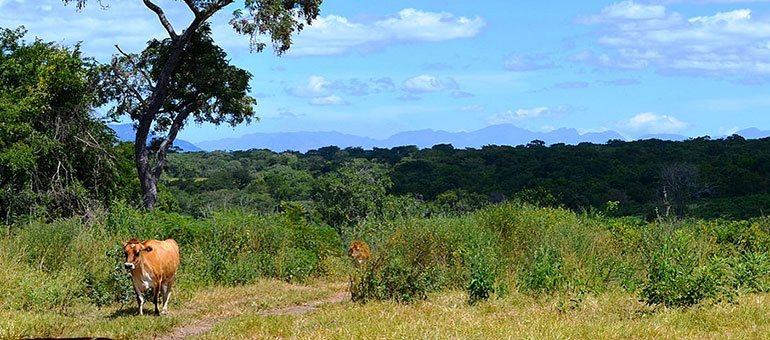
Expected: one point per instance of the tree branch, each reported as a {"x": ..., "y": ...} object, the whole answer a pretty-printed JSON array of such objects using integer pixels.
[
  {"x": 162, "y": 17},
  {"x": 215, "y": 7},
  {"x": 131, "y": 60},
  {"x": 176, "y": 125},
  {"x": 192, "y": 7},
  {"x": 132, "y": 89}
]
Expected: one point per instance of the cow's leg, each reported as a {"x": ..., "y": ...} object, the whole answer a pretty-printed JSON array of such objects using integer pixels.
[
  {"x": 139, "y": 299},
  {"x": 166, "y": 296},
  {"x": 156, "y": 292}
]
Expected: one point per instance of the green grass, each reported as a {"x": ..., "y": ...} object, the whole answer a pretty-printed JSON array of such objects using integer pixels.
[
  {"x": 530, "y": 272},
  {"x": 122, "y": 322},
  {"x": 446, "y": 316}
]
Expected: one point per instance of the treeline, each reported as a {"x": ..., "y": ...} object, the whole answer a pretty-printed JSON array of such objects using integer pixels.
[
  {"x": 701, "y": 177},
  {"x": 58, "y": 160}
]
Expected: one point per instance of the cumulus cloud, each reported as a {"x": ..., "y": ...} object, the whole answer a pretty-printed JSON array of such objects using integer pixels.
[
  {"x": 333, "y": 34},
  {"x": 383, "y": 84},
  {"x": 650, "y": 123},
  {"x": 511, "y": 116},
  {"x": 329, "y": 100},
  {"x": 521, "y": 62},
  {"x": 427, "y": 83},
  {"x": 734, "y": 43},
  {"x": 316, "y": 86},
  {"x": 326, "y": 92},
  {"x": 95, "y": 27}
]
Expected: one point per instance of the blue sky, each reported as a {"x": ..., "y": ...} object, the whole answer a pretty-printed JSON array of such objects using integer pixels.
[{"x": 375, "y": 68}]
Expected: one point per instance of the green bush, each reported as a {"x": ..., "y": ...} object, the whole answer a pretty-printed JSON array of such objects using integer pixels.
[
  {"x": 545, "y": 272},
  {"x": 750, "y": 272},
  {"x": 391, "y": 278},
  {"x": 298, "y": 265},
  {"x": 678, "y": 277},
  {"x": 482, "y": 278}
]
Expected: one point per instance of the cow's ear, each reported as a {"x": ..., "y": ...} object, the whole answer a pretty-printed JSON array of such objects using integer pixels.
[
  {"x": 147, "y": 249},
  {"x": 124, "y": 244}
]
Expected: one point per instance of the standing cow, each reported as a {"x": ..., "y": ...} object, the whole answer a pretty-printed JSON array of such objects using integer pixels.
[{"x": 153, "y": 264}]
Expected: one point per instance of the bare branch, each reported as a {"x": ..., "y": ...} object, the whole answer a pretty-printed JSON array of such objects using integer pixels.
[
  {"x": 162, "y": 17},
  {"x": 131, "y": 60},
  {"x": 133, "y": 90},
  {"x": 192, "y": 7}
]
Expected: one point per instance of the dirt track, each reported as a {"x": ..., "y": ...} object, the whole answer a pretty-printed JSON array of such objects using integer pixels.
[{"x": 207, "y": 323}]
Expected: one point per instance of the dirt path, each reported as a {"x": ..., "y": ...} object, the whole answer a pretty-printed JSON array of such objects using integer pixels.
[{"x": 207, "y": 323}]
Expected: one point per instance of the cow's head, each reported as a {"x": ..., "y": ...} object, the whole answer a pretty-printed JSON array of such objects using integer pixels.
[{"x": 134, "y": 250}]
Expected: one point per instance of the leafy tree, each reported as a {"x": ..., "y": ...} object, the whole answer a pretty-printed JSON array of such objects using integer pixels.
[
  {"x": 54, "y": 155},
  {"x": 187, "y": 75},
  {"x": 355, "y": 192}
]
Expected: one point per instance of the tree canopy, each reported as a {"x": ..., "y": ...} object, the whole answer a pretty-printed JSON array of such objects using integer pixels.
[
  {"x": 54, "y": 154},
  {"x": 187, "y": 74}
]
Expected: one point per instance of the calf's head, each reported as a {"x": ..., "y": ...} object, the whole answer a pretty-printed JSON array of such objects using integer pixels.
[{"x": 134, "y": 250}]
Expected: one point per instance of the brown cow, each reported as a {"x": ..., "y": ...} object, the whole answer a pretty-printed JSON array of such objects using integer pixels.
[
  {"x": 153, "y": 264},
  {"x": 359, "y": 252}
]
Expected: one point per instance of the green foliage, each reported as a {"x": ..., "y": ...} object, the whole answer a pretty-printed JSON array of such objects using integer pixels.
[
  {"x": 750, "y": 272},
  {"x": 482, "y": 278},
  {"x": 545, "y": 273},
  {"x": 347, "y": 197},
  {"x": 679, "y": 277},
  {"x": 298, "y": 265},
  {"x": 56, "y": 158},
  {"x": 391, "y": 278}
]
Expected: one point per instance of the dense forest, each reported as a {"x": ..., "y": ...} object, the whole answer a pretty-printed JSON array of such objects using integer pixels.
[{"x": 700, "y": 177}]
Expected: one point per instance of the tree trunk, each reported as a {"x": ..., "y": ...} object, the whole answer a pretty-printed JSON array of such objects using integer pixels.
[{"x": 147, "y": 180}]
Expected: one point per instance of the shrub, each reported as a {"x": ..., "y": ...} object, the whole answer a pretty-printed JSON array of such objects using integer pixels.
[
  {"x": 750, "y": 272},
  {"x": 482, "y": 278},
  {"x": 544, "y": 274},
  {"x": 298, "y": 265},
  {"x": 677, "y": 277},
  {"x": 391, "y": 278}
]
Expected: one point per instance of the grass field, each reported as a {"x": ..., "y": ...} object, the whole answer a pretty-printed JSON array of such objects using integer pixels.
[
  {"x": 238, "y": 313},
  {"x": 122, "y": 322},
  {"x": 445, "y": 316},
  {"x": 506, "y": 271}
]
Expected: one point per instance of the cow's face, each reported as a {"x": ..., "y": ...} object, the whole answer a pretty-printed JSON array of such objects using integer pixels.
[{"x": 134, "y": 251}]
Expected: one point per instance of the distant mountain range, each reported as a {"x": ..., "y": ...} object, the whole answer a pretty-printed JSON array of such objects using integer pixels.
[
  {"x": 126, "y": 132},
  {"x": 503, "y": 134}
]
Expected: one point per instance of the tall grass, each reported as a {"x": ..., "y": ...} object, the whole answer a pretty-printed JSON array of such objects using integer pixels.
[{"x": 536, "y": 251}]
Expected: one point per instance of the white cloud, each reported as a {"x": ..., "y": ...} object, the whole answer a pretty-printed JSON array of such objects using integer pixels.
[
  {"x": 734, "y": 43},
  {"x": 335, "y": 34},
  {"x": 631, "y": 10},
  {"x": 427, "y": 83},
  {"x": 316, "y": 86},
  {"x": 329, "y": 100},
  {"x": 511, "y": 116},
  {"x": 126, "y": 23},
  {"x": 650, "y": 123}
]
